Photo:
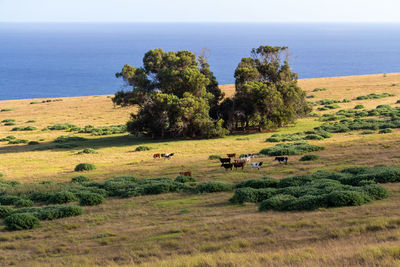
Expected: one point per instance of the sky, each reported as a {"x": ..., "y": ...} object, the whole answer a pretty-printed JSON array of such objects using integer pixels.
[{"x": 199, "y": 11}]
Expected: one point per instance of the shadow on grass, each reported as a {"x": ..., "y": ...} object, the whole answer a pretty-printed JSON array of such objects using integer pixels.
[{"x": 96, "y": 143}]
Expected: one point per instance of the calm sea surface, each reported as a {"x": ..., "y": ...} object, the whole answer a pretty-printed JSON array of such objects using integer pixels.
[{"x": 53, "y": 60}]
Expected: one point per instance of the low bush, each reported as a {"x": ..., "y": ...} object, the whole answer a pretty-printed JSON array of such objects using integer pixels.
[
  {"x": 23, "y": 203},
  {"x": 296, "y": 148},
  {"x": 88, "y": 151},
  {"x": 90, "y": 199},
  {"x": 347, "y": 198},
  {"x": 66, "y": 139},
  {"x": 9, "y": 123},
  {"x": 6, "y": 109},
  {"x": 368, "y": 132},
  {"x": 8, "y": 138},
  {"x": 142, "y": 148},
  {"x": 384, "y": 131},
  {"x": 62, "y": 197},
  {"x": 214, "y": 186},
  {"x": 314, "y": 137},
  {"x": 184, "y": 179},
  {"x": 18, "y": 141},
  {"x": 31, "y": 143},
  {"x": 375, "y": 191},
  {"x": 80, "y": 179},
  {"x": 62, "y": 126},
  {"x": 278, "y": 202},
  {"x": 359, "y": 107},
  {"x": 212, "y": 157},
  {"x": 84, "y": 167},
  {"x": 309, "y": 157},
  {"x": 319, "y": 89},
  {"x": 8, "y": 199},
  {"x": 21, "y": 221},
  {"x": 374, "y": 96},
  {"x": 5, "y": 211},
  {"x": 24, "y": 128},
  {"x": 285, "y": 137},
  {"x": 104, "y": 130},
  {"x": 247, "y": 194}
]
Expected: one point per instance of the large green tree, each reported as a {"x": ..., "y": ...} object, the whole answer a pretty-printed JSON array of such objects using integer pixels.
[
  {"x": 177, "y": 96},
  {"x": 267, "y": 93}
]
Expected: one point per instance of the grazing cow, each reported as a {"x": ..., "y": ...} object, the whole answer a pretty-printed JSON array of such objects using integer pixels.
[
  {"x": 282, "y": 159},
  {"x": 225, "y": 160},
  {"x": 167, "y": 156},
  {"x": 256, "y": 165},
  {"x": 186, "y": 174},
  {"x": 232, "y": 155},
  {"x": 227, "y": 166},
  {"x": 239, "y": 164},
  {"x": 157, "y": 155},
  {"x": 247, "y": 156}
]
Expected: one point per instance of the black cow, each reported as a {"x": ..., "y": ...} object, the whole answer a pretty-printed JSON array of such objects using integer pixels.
[
  {"x": 225, "y": 160},
  {"x": 282, "y": 159},
  {"x": 227, "y": 166}
]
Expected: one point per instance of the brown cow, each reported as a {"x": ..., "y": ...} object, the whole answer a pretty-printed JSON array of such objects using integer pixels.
[
  {"x": 239, "y": 164},
  {"x": 232, "y": 155},
  {"x": 186, "y": 173},
  {"x": 157, "y": 155}
]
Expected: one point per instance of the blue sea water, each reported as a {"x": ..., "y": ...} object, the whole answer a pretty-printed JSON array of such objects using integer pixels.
[{"x": 40, "y": 60}]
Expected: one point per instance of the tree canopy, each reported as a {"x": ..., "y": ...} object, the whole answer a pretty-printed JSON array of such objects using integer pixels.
[{"x": 177, "y": 95}]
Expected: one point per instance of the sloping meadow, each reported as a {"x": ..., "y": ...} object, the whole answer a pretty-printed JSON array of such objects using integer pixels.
[{"x": 350, "y": 187}]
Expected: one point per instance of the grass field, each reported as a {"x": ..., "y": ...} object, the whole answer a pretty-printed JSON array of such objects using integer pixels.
[{"x": 179, "y": 229}]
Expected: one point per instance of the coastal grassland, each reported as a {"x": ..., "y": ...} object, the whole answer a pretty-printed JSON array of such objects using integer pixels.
[{"x": 180, "y": 229}]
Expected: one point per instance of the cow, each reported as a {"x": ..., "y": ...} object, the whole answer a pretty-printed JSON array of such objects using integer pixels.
[
  {"x": 167, "y": 156},
  {"x": 157, "y": 155},
  {"x": 256, "y": 165},
  {"x": 186, "y": 173},
  {"x": 247, "y": 157},
  {"x": 239, "y": 164},
  {"x": 227, "y": 166},
  {"x": 225, "y": 160},
  {"x": 232, "y": 155},
  {"x": 282, "y": 159}
]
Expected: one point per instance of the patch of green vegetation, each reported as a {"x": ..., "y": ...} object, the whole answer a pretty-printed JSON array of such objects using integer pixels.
[
  {"x": 17, "y": 141},
  {"x": 142, "y": 148},
  {"x": 24, "y": 128},
  {"x": 384, "y": 131},
  {"x": 166, "y": 236},
  {"x": 374, "y": 96},
  {"x": 359, "y": 107},
  {"x": 31, "y": 143},
  {"x": 296, "y": 148},
  {"x": 67, "y": 139},
  {"x": 6, "y": 109},
  {"x": 84, "y": 167},
  {"x": 104, "y": 130},
  {"x": 319, "y": 89},
  {"x": 327, "y": 107},
  {"x": 88, "y": 151},
  {"x": 309, "y": 157},
  {"x": 212, "y": 157},
  {"x": 62, "y": 126},
  {"x": 8, "y": 120},
  {"x": 30, "y": 121}
]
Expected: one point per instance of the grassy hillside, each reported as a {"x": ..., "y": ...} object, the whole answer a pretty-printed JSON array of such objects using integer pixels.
[{"x": 200, "y": 229}]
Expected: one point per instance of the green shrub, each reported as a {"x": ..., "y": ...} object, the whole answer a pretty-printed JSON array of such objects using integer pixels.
[
  {"x": 156, "y": 188},
  {"x": 18, "y": 141},
  {"x": 6, "y": 109},
  {"x": 184, "y": 179},
  {"x": 23, "y": 203},
  {"x": 57, "y": 212},
  {"x": 80, "y": 179},
  {"x": 387, "y": 130},
  {"x": 319, "y": 89},
  {"x": 142, "y": 148},
  {"x": 62, "y": 197},
  {"x": 21, "y": 221},
  {"x": 88, "y": 151},
  {"x": 247, "y": 194},
  {"x": 264, "y": 182},
  {"x": 346, "y": 100},
  {"x": 104, "y": 130},
  {"x": 84, "y": 167},
  {"x": 62, "y": 126},
  {"x": 66, "y": 139},
  {"x": 347, "y": 198},
  {"x": 314, "y": 137},
  {"x": 374, "y": 96},
  {"x": 359, "y": 107},
  {"x": 285, "y": 137},
  {"x": 24, "y": 128},
  {"x": 30, "y": 121},
  {"x": 31, "y": 143},
  {"x": 368, "y": 132},
  {"x": 8, "y": 120},
  {"x": 375, "y": 191},
  {"x": 5, "y": 211},
  {"x": 211, "y": 157},
  {"x": 296, "y": 148},
  {"x": 278, "y": 202},
  {"x": 309, "y": 157},
  {"x": 8, "y": 199},
  {"x": 213, "y": 186},
  {"x": 90, "y": 199},
  {"x": 294, "y": 181},
  {"x": 310, "y": 96},
  {"x": 8, "y": 138},
  {"x": 9, "y": 123}
]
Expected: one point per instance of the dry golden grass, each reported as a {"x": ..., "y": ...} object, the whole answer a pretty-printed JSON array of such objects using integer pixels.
[{"x": 201, "y": 230}]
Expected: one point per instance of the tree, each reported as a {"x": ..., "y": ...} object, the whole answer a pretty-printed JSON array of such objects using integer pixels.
[
  {"x": 267, "y": 93},
  {"x": 175, "y": 94}
]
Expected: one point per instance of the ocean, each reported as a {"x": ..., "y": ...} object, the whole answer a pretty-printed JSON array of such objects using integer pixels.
[{"x": 44, "y": 60}]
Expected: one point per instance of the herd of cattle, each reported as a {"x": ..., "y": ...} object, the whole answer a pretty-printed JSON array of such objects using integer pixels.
[{"x": 229, "y": 162}]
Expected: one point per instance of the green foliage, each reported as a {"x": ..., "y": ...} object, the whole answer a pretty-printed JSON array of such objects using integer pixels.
[
  {"x": 31, "y": 143},
  {"x": 104, "y": 130},
  {"x": 296, "y": 148},
  {"x": 387, "y": 130},
  {"x": 23, "y": 203},
  {"x": 66, "y": 139},
  {"x": 368, "y": 132},
  {"x": 8, "y": 120},
  {"x": 8, "y": 138},
  {"x": 278, "y": 202},
  {"x": 285, "y": 137},
  {"x": 319, "y": 89},
  {"x": 84, "y": 167},
  {"x": 57, "y": 212},
  {"x": 62, "y": 197},
  {"x": 21, "y": 221},
  {"x": 6, "y": 109},
  {"x": 24, "y": 128},
  {"x": 18, "y": 141},
  {"x": 247, "y": 194},
  {"x": 310, "y": 96},
  {"x": 359, "y": 107},
  {"x": 374, "y": 96},
  {"x": 88, "y": 151},
  {"x": 309, "y": 157},
  {"x": 9, "y": 123},
  {"x": 142, "y": 148},
  {"x": 8, "y": 199},
  {"x": 212, "y": 157},
  {"x": 347, "y": 198},
  {"x": 80, "y": 179},
  {"x": 90, "y": 199},
  {"x": 5, "y": 211},
  {"x": 327, "y": 107},
  {"x": 184, "y": 179},
  {"x": 187, "y": 99},
  {"x": 213, "y": 186},
  {"x": 375, "y": 191},
  {"x": 62, "y": 126},
  {"x": 314, "y": 137}
]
